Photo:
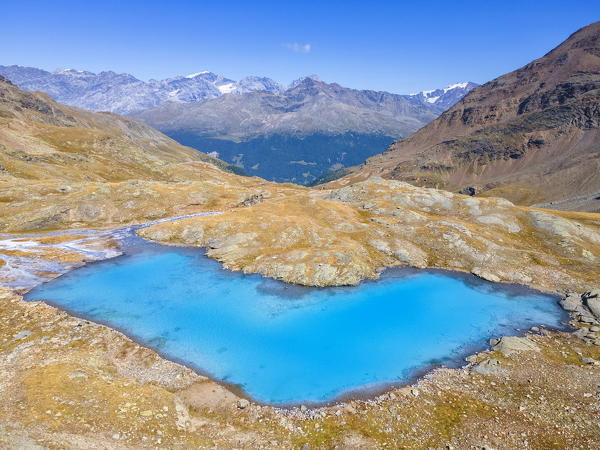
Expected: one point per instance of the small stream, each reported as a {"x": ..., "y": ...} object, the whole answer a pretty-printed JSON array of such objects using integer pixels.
[{"x": 29, "y": 268}]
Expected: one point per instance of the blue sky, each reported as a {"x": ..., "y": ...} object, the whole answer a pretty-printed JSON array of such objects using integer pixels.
[{"x": 396, "y": 46}]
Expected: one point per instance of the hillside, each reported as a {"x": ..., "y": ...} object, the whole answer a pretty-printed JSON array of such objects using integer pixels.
[
  {"x": 531, "y": 136},
  {"x": 62, "y": 166}
]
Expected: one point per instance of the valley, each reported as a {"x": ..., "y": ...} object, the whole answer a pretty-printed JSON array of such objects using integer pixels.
[
  {"x": 188, "y": 290},
  {"x": 293, "y": 133},
  {"x": 289, "y": 158}
]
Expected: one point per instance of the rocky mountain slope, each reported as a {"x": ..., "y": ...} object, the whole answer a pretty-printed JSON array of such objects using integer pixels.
[
  {"x": 300, "y": 133},
  {"x": 293, "y": 133},
  {"x": 308, "y": 107},
  {"x": 532, "y": 135},
  {"x": 123, "y": 93}
]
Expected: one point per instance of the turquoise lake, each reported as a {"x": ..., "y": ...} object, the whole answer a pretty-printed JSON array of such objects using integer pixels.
[{"x": 284, "y": 344}]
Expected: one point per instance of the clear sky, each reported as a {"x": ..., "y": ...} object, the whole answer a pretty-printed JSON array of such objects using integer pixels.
[{"x": 398, "y": 46}]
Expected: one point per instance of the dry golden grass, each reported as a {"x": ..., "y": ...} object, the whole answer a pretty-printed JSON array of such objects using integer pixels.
[{"x": 342, "y": 236}]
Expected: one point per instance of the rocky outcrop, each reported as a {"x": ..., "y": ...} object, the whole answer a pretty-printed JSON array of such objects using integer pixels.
[
  {"x": 571, "y": 302},
  {"x": 344, "y": 235},
  {"x": 584, "y": 309},
  {"x": 488, "y": 367},
  {"x": 592, "y": 300},
  {"x": 485, "y": 275},
  {"x": 513, "y": 344}
]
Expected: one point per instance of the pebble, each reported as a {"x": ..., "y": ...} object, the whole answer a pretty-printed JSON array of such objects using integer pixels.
[
  {"x": 590, "y": 361},
  {"x": 303, "y": 408},
  {"x": 21, "y": 335},
  {"x": 243, "y": 403},
  {"x": 77, "y": 375},
  {"x": 581, "y": 333},
  {"x": 350, "y": 409},
  {"x": 595, "y": 329}
]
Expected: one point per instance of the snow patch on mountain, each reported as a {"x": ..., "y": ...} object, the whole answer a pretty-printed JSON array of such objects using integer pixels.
[
  {"x": 227, "y": 88},
  {"x": 447, "y": 96},
  {"x": 456, "y": 86},
  {"x": 194, "y": 75}
]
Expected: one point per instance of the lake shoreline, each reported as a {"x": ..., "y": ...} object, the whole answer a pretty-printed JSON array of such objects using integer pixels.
[{"x": 133, "y": 245}]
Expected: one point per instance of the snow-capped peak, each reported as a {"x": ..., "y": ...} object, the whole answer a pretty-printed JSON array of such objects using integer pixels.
[
  {"x": 455, "y": 86},
  {"x": 194, "y": 75},
  {"x": 446, "y": 96},
  {"x": 66, "y": 71}
]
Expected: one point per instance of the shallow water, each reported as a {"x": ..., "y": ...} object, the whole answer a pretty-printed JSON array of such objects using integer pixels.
[{"x": 286, "y": 344}]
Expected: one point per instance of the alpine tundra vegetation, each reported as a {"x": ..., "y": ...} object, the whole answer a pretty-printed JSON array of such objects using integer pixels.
[{"x": 442, "y": 294}]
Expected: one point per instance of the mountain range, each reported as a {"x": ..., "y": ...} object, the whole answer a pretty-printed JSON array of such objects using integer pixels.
[
  {"x": 294, "y": 133},
  {"x": 123, "y": 93},
  {"x": 532, "y": 135},
  {"x": 299, "y": 133}
]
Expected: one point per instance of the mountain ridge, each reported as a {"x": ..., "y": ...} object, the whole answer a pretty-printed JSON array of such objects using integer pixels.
[
  {"x": 324, "y": 124},
  {"x": 81, "y": 88},
  {"x": 123, "y": 93},
  {"x": 39, "y": 138}
]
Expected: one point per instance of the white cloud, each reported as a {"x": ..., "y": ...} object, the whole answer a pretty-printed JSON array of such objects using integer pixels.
[{"x": 298, "y": 48}]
